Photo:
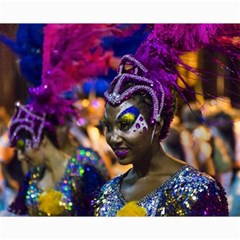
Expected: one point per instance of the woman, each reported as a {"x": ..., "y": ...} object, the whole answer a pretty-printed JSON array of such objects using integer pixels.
[
  {"x": 224, "y": 143},
  {"x": 196, "y": 139},
  {"x": 56, "y": 184},
  {"x": 140, "y": 106}
]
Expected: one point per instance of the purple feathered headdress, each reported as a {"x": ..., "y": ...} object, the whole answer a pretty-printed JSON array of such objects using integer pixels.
[
  {"x": 154, "y": 68},
  {"x": 71, "y": 54}
]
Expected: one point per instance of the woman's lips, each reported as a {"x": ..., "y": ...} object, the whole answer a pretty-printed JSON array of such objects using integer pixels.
[{"x": 121, "y": 152}]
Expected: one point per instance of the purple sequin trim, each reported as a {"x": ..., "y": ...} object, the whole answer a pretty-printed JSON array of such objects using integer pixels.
[
  {"x": 142, "y": 83},
  {"x": 25, "y": 119}
]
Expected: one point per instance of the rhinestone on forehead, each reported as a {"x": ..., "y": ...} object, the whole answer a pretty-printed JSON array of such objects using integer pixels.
[
  {"x": 25, "y": 119},
  {"x": 141, "y": 84}
]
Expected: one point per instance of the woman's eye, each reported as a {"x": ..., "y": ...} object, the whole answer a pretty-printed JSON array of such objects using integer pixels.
[
  {"x": 28, "y": 144},
  {"x": 126, "y": 121},
  {"x": 107, "y": 126},
  {"x": 125, "y": 125}
]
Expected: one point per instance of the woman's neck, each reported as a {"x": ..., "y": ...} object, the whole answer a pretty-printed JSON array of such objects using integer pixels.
[
  {"x": 159, "y": 163},
  {"x": 55, "y": 161},
  {"x": 152, "y": 162}
]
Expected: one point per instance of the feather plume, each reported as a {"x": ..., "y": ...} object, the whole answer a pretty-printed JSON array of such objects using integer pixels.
[
  {"x": 28, "y": 48},
  {"x": 72, "y": 53},
  {"x": 161, "y": 52}
]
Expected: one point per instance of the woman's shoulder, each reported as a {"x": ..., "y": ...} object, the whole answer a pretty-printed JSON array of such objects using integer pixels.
[
  {"x": 83, "y": 158},
  {"x": 189, "y": 171},
  {"x": 202, "y": 192},
  {"x": 192, "y": 183},
  {"x": 111, "y": 185},
  {"x": 85, "y": 154},
  {"x": 193, "y": 178}
]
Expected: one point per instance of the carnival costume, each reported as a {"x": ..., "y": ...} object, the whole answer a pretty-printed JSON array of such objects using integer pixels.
[
  {"x": 72, "y": 195},
  {"x": 186, "y": 193},
  {"x": 153, "y": 70}
]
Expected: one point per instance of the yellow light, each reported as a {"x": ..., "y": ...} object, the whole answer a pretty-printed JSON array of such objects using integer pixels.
[{"x": 85, "y": 102}]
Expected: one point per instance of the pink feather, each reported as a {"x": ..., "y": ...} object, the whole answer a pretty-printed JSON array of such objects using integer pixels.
[{"x": 72, "y": 53}]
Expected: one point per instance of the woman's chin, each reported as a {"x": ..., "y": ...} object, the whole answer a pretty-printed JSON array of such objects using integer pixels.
[{"x": 124, "y": 161}]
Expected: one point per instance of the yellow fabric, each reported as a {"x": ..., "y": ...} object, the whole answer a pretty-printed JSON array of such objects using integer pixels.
[
  {"x": 50, "y": 202},
  {"x": 132, "y": 209}
]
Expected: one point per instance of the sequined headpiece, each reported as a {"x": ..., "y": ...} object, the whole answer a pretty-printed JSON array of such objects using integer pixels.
[
  {"x": 131, "y": 69},
  {"x": 25, "y": 120},
  {"x": 71, "y": 54},
  {"x": 154, "y": 68}
]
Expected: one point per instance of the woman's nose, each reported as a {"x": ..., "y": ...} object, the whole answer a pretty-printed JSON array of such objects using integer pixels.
[
  {"x": 115, "y": 137},
  {"x": 20, "y": 155}
]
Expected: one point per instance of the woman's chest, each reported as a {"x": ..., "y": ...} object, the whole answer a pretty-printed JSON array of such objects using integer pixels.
[
  {"x": 134, "y": 191},
  {"x": 57, "y": 200}
]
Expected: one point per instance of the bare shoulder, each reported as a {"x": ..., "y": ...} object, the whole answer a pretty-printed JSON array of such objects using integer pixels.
[{"x": 176, "y": 165}]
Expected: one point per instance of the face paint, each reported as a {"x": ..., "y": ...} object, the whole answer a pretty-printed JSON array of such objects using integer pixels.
[
  {"x": 20, "y": 145},
  {"x": 127, "y": 131},
  {"x": 26, "y": 152},
  {"x": 23, "y": 144},
  {"x": 130, "y": 119},
  {"x": 122, "y": 107}
]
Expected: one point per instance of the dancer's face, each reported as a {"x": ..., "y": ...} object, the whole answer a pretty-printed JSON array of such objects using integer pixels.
[
  {"x": 32, "y": 156},
  {"x": 127, "y": 131}
]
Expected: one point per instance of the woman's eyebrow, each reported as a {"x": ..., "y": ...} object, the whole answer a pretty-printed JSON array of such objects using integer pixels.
[{"x": 104, "y": 120}]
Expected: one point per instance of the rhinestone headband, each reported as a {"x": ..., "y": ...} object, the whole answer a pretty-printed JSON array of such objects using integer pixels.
[
  {"x": 25, "y": 120},
  {"x": 141, "y": 84}
]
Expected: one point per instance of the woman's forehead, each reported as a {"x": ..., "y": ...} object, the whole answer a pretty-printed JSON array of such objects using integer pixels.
[
  {"x": 120, "y": 107},
  {"x": 115, "y": 112}
]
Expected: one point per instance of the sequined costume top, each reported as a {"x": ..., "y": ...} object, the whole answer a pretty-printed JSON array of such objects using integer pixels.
[
  {"x": 84, "y": 174},
  {"x": 186, "y": 193}
]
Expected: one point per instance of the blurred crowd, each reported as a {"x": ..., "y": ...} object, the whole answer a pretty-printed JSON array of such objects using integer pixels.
[{"x": 207, "y": 137}]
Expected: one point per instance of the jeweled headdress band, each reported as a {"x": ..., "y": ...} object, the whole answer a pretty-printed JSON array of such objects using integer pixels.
[
  {"x": 25, "y": 120},
  {"x": 134, "y": 60},
  {"x": 116, "y": 97}
]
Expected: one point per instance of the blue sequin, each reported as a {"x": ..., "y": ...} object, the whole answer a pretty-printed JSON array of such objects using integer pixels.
[
  {"x": 76, "y": 186},
  {"x": 187, "y": 193}
]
